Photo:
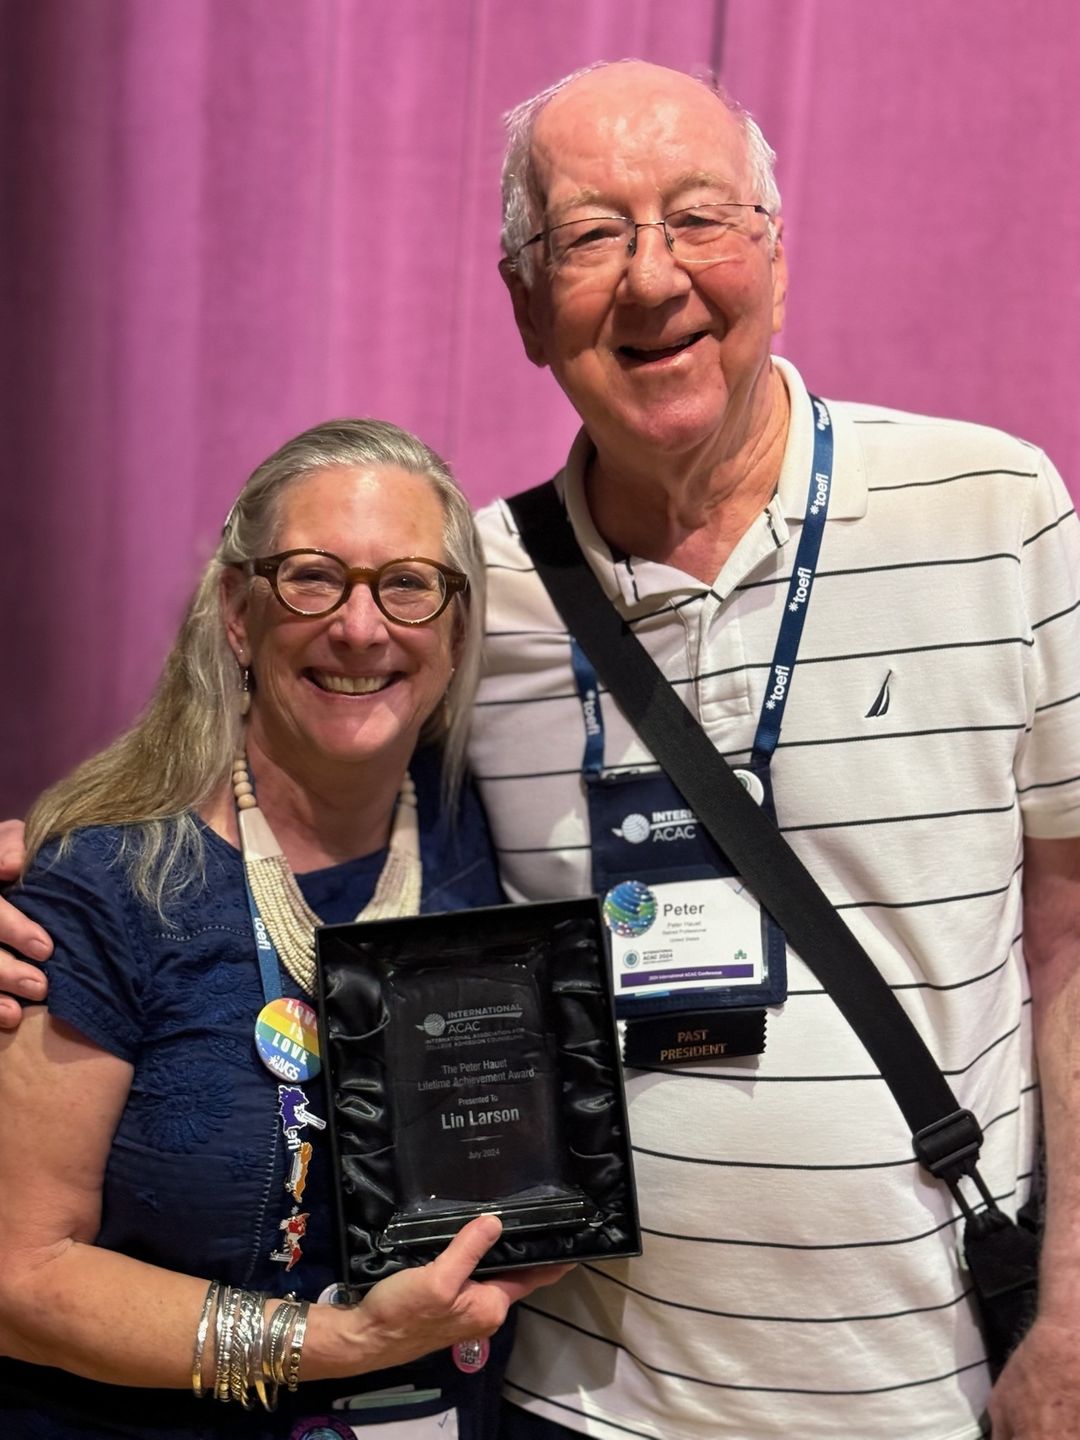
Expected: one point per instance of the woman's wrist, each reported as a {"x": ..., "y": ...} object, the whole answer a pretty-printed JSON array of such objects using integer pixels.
[
  {"x": 246, "y": 1343},
  {"x": 339, "y": 1342}
]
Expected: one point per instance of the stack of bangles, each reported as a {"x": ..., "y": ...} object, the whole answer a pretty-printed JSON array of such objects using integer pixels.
[{"x": 251, "y": 1352}]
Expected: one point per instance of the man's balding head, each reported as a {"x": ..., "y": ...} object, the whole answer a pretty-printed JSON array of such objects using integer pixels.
[
  {"x": 609, "y": 82},
  {"x": 652, "y": 278}
]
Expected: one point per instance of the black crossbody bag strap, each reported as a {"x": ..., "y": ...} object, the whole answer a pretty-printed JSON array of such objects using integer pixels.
[{"x": 946, "y": 1138}]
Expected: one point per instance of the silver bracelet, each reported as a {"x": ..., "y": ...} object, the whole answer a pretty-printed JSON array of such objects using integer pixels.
[
  {"x": 296, "y": 1345},
  {"x": 281, "y": 1322},
  {"x": 235, "y": 1361},
  {"x": 250, "y": 1351},
  {"x": 212, "y": 1291},
  {"x": 273, "y": 1350},
  {"x": 254, "y": 1339},
  {"x": 226, "y": 1324},
  {"x": 250, "y": 1332},
  {"x": 219, "y": 1338}
]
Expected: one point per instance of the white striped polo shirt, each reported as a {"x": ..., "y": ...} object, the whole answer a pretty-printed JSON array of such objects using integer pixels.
[{"x": 799, "y": 1275}]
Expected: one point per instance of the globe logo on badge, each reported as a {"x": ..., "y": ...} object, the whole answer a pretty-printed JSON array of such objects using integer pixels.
[
  {"x": 635, "y": 828},
  {"x": 433, "y": 1025},
  {"x": 629, "y": 908}
]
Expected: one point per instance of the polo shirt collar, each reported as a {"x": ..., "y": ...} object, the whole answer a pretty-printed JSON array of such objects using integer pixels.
[
  {"x": 848, "y": 498},
  {"x": 632, "y": 580}
]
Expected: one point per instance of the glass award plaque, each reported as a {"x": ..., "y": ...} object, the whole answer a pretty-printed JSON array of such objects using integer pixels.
[
  {"x": 473, "y": 1067},
  {"x": 474, "y": 1099}
]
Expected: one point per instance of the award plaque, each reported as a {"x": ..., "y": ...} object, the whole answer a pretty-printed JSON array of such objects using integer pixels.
[
  {"x": 474, "y": 1099},
  {"x": 472, "y": 1064}
]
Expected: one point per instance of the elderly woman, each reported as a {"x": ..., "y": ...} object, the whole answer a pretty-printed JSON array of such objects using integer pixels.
[{"x": 301, "y": 761}]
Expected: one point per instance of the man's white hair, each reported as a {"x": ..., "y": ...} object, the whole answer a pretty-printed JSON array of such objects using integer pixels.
[{"x": 523, "y": 200}]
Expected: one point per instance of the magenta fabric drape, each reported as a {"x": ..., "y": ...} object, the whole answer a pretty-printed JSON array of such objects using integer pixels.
[{"x": 224, "y": 220}]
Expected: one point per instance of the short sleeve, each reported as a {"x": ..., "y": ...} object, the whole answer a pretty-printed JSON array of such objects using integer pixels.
[
  {"x": 1048, "y": 760},
  {"x": 460, "y": 872},
  {"x": 97, "y": 977}
]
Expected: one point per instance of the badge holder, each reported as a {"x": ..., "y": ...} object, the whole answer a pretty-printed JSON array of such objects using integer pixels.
[{"x": 695, "y": 960}]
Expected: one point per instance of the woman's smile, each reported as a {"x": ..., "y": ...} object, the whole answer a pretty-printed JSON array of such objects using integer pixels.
[
  {"x": 351, "y": 685},
  {"x": 339, "y": 691}
]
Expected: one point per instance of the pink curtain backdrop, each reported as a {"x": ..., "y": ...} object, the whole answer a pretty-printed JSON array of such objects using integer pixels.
[{"x": 197, "y": 200}]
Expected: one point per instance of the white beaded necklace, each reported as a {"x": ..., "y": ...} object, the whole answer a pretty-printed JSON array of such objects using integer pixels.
[{"x": 289, "y": 919}]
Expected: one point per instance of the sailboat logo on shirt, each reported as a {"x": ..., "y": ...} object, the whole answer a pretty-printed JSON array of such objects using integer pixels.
[{"x": 881, "y": 704}]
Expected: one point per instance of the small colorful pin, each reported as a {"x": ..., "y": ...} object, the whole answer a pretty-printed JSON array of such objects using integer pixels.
[
  {"x": 287, "y": 1039},
  {"x": 471, "y": 1355},
  {"x": 292, "y": 1107},
  {"x": 322, "y": 1427},
  {"x": 297, "y": 1180},
  {"x": 295, "y": 1228}
]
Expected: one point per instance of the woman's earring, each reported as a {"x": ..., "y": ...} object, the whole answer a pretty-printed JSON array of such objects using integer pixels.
[{"x": 245, "y": 690}]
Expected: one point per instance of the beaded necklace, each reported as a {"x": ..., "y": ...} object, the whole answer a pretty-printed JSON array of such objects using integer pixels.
[
  {"x": 291, "y": 923},
  {"x": 289, "y": 919}
]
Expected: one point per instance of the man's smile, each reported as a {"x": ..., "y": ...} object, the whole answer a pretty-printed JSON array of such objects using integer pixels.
[{"x": 647, "y": 355}]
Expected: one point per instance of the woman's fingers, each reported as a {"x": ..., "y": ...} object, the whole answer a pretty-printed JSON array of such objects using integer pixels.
[
  {"x": 516, "y": 1284},
  {"x": 468, "y": 1247}
]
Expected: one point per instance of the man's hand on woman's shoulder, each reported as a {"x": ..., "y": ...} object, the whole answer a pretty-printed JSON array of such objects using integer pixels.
[{"x": 16, "y": 931}]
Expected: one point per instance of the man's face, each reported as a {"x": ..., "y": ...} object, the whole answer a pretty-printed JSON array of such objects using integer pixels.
[{"x": 656, "y": 357}]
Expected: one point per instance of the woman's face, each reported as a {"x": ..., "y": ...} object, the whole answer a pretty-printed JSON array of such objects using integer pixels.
[{"x": 352, "y": 686}]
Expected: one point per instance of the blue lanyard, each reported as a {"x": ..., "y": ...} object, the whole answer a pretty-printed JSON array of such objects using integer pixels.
[
  {"x": 273, "y": 986},
  {"x": 786, "y": 651},
  {"x": 588, "y": 688},
  {"x": 778, "y": 685},
  {"x": 270, "y": 968}
]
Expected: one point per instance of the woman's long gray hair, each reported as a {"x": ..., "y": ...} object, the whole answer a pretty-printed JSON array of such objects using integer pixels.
[{"x": 180, "y": 751}]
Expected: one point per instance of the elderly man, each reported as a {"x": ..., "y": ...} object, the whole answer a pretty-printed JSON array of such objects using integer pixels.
[{"x": 800, "y": 1273}]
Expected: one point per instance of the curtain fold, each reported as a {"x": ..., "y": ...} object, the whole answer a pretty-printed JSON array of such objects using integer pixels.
[{"x": 229, "y": 219}]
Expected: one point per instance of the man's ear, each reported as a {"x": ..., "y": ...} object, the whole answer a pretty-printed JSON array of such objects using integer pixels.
[
  {"x": 522, "y": 299},
  {"x": 234, "y": 607},
  {"x": 779, "y": 279}
]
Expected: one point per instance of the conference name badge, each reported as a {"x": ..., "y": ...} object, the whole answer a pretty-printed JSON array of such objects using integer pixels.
[{"x": 685, "y": 935}]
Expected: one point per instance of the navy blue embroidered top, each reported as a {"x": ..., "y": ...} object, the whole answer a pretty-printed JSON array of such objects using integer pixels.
[{"x": 195, "y": 1180}]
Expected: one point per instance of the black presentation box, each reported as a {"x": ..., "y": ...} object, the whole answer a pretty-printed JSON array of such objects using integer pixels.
[{"x": 472, "y": 1065}]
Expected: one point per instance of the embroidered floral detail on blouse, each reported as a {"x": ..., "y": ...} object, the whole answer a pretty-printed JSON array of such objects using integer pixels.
[
  {"x": 232, "y": 1049},
  {"x": 178, "y": 1106},
  {"x": 248, "y": 1163}
]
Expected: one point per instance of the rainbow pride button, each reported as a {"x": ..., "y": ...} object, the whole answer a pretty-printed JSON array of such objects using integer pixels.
[{"x": 287, "y": 1039}]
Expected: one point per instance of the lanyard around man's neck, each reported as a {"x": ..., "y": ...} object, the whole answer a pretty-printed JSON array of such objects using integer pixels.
[{"x": 789, "y": 636}]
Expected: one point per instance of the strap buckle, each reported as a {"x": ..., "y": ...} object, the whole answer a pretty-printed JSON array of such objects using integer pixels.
[{"x": 949, "y": 1149}]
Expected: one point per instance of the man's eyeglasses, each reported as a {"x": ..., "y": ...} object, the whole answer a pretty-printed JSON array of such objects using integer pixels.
[
  {"x": 314, "y": 582},
  {"x": 699, "y": 235}
]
